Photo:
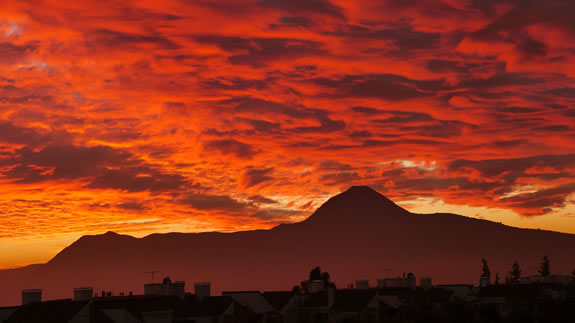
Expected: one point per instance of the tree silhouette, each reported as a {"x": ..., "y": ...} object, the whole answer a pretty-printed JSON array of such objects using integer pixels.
[
  {"x": 485, "y": 272},
  {"x": 304, "y": 285},
  {"x": 496, "y": 279},
  {"x": 326, "y": 279},
  {"x": 573, "y": 276},
  {"x": 544, "y": 268},
  {"x": 316, "y": 274},
  {"x": 514, "y": 275}
]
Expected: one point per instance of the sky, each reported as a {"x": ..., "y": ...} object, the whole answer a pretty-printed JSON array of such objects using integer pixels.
[{"x": 146, "y": 116}]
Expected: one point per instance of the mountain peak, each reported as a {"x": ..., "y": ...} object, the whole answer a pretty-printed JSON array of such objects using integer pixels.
[
  {"x": 111, "y": 235},
  {"x": 356, "y": 204},
  {"x": 90, "y": 245},
  {"x": 364, "y": 194},
  {"x": 360, "y": 189}
]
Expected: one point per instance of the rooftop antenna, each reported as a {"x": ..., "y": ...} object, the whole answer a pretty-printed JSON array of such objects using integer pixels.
[{"x": 152, "y": 273}]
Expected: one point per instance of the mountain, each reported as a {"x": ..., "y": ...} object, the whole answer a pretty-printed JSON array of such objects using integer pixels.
[{"x": 358, "y": 234}]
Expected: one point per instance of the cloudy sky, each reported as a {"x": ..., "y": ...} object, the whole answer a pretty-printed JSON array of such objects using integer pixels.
[{"x": 180, "y": 115}]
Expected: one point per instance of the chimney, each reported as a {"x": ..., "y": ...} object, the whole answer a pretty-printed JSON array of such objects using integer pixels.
[
  {"x": 179, "y": 289},
  {"x": 152, "y": 289},
  {"x": 30, "y": 296},
  {"x": 411, "y": 281},
  {"x": 83, "y": 293},
  {"x": 202, "y": 289}
]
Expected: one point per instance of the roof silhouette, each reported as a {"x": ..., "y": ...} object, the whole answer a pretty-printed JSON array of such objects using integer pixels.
[{"x": 47, "y": 312}]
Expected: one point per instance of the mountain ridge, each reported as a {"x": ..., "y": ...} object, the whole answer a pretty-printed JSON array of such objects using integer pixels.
[
  {"x": 351, "y": 190},
  {"x": 355, "y": 234},
  {"x": 361, "y": 201}
]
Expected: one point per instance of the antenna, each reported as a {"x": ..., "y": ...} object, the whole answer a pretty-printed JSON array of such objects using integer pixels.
[{"x": 152, "y": 273}]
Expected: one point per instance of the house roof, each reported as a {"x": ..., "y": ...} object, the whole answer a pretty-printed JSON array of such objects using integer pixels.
[
  {"x": 191, "y": 306},
  {"x": 401, "y": 292},
  {"x": 460, "y": 291},
  {"x": 390, "y": 301},
  {"x": 437, "y": 294},
  {"x": 318, "y": 299},
  {"x": 206, "y": 307},
  {"x": 136, "y": 305},
  {"x": 97, "y": 316},
  {"x": 64, "y": 310},
  {"x": 278, "y": 299},
  {"x": 251, "y": 299},
  {"x": 47, "y": 312},
  {"x": 510, "y": 291},
  {"x": 353, "y": 300},
  {"x": 431, "y": 295}
]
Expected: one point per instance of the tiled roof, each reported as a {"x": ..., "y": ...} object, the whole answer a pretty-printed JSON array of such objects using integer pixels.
[
  {"x": 47, "y": 312},
  {"x": 191, "y": 306},
  {"x": 352, "y": 300},
  {"x": 136, "y": 305},
  {"x": 510, "y": 291},
  {"x": 207, "y": 307},
  {"x": 318, "y": 299},
  {"x": 278, "y": 299},
  {"x": 251, "y": 299}
]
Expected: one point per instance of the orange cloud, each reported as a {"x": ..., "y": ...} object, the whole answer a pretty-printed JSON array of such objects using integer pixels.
[{"x": 193, "y": 116}]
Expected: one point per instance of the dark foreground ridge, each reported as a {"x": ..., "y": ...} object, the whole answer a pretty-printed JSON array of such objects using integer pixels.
[{"x": 356, "y": 234}]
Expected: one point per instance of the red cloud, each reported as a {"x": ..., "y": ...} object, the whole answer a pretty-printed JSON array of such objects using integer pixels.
[{"x": 198, "y": 116}]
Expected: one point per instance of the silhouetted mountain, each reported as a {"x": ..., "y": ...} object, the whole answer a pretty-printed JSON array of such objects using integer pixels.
[
  {"x": 356, "y": 205},
  {"x": 356, "y": 234}
]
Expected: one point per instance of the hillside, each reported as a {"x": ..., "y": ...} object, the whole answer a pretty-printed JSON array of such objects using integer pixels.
[{"x": 356, "y": 234}]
